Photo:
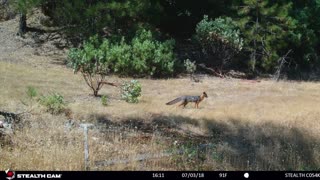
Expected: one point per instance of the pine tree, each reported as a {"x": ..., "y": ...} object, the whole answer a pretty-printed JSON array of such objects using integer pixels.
[
  {"x": 23, "y": 7},
  {"x": 86, "y": 18},
  {"x": 305, "y": 41},
  {"x": 265, "y": 26}
]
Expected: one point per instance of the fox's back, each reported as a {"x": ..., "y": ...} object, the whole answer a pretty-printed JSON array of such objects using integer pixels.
[{"x": 191, "y": 98}]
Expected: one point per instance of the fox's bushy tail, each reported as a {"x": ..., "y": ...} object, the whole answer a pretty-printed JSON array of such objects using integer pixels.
[{"x": 174, "y": 101}]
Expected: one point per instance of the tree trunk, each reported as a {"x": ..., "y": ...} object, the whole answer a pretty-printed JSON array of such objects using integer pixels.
[
  {"x": 22, "y": 24},
  {"x": 254, "y": 53},
  {"x": 95, "y": 93}
]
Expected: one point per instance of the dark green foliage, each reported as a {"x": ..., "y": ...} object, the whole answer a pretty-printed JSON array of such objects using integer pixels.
[
  {"x": 142, "y": 56},
  {"x": 269, "y": 29},
  {"x": 107, "y": 17},
  {"x": 119, "y": 56},
  {"x": 179, "y": 17},
  {"x": 265, "y": 27},
  {"x": 305, "y": 39},
  {"x": 220, "y": 29},
  {"x": 149, "y": 57},
  {"x": 220, "y": 39},
  {"x": 24, "y": 6}
]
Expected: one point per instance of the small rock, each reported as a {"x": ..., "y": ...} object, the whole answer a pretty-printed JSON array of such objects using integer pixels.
[{"x": 1, "y": 124}]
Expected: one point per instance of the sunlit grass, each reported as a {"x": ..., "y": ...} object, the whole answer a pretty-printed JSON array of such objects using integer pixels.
[{"x": 253, "y": 125}]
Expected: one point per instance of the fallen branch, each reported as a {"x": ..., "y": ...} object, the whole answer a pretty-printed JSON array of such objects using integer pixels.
[
  {"x": 236, "y": 74},
  {"x": 109, "y": 83},
  {"x": 221, "y": 74},
  {"x": 282, "y": 61},
  {"x": 251, "y": 81},
  {"x": 211, "y": 70}
]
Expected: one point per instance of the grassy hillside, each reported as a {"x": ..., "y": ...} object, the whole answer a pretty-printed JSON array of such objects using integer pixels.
[{"x": 242, "y": 125}]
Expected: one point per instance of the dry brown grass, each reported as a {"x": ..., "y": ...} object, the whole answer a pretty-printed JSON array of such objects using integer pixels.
[
  {"x": 247, "y": 126},
  {"x": 43, "y": 145}
]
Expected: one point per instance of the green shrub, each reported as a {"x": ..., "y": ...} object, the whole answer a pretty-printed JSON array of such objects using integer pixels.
[
  {"x": 104, "y": 100},
  {"x": 220, "y": 39},
  {"x": 190, "y": 66},
  {"x": 31, "y": 92},
  {"x": 130, "y": 91},
  {"x": 222, "y": 29},
  {"x": 119, "y": 57},
  {"x": 54, "y": 103},
  {"x": 142, "y": 56},
  {"x": 151, "y": 57},
  {"x": 90, "y": 60}
]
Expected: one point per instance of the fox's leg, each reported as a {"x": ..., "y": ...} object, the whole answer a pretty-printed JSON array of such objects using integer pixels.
[
  {"x": 197, "y": 105},
  {"x": 183, "y": 104}
]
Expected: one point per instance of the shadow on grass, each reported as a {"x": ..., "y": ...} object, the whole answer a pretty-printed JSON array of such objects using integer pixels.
[
  {"x": 239, "y": 145},
  {"x": 266, "y": 146}
]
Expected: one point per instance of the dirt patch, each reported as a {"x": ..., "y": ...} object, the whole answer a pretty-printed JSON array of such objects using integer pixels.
[{"x": 40, "y": 46}]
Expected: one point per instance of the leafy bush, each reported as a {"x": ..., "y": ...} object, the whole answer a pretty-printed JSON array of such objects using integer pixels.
[
  {"x": 190, "y": 66},
  {"x": 143, "y": 56},
  {"x": 104, "y": 100},
  {"x": 90, "y": 58},
  {"x": 220, "y": 39},
  {"x": 130, "y": 91},
  {"x": 221, "y": 29},
  {"x": 54, "y": 103},
  {"x": 119, "y": 56},
  {"x": 31, "y": 92},
  {"x": 91, "y": 62},
  {"x": 150, "y": 56}
]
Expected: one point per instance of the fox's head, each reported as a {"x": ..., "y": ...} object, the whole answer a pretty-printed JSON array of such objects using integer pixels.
[{"x": 205, "y": 94}]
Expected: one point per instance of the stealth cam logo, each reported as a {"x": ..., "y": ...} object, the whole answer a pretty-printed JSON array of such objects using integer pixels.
[{"x": 10, "y": 174}]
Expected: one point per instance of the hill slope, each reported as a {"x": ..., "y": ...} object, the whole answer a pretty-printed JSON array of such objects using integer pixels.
[{"x": 242, "y": 125}]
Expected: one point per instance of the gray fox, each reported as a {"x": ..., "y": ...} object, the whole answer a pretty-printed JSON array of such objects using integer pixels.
[{"x": 186, "y": 99}]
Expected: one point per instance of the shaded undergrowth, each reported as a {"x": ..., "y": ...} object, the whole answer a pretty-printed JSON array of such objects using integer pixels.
[{"x": 228, "y": 145}]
